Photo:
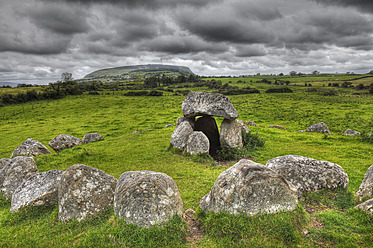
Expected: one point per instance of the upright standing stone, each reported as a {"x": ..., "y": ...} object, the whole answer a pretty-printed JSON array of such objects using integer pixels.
[
  {"x": 63, "y": 141},
  {"x": 91, "y": 137},
  {"x": 366, "y": 187},
  {"x": 21, "y": 168},
  {"x": 4, "y": 166},
  {"x": 146, "y": 198},
  {"x": 84, "y": 191},
  {"x": 180, "y": 135},
  {"x": 182, "y": 119},
  {"x": 208, "y": 126},
  {"x": 198, "y": 143},
  {"x": 213, "y": 104},
  {"x": 231, "y": 134},
  {"x": 30, "y": 147},
  {"x": 250, "y": 188}
]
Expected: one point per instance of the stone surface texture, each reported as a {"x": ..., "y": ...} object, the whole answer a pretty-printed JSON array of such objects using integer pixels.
[
  {"x": 198, "y": 143},
  {"x": 231, "y": 134},
  {"x": 20, "y": 169},
  {"x": 208, "y": 126},
  {"x": 180, "y": 135},
  {"x": 92, "y": 137},
  {"x": 30, "y": 147},
  {"x": 309, "y": 174},
  {"x": 350, "y": 132},
  {"x": 213, "y": 104},
  {"x": 250, "y": 188},
  {"x": 63, "y": 141},
  {"x": 319, "y": 127},
  {"x": 244, "y": 126},
  {"x": 38, "y": 190},
  {"x": 84, "y": 191},
  {"x": 182, "y": 119},
  {"x": 4, "y": 166},
  {"x": 367, "y": 206},
  {"x": 366, "y": 187},
  {"x": 146, "y": 198}
]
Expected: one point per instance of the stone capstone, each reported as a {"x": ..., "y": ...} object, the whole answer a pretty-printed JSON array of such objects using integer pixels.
[
  {"x": 366, "y": 206},
  {"x": 231, "y": 134},
  {"x": 92, "y": 137},
  {"x": 180, "y": 135},
  {"x": 30, "y": 147},
  {"x": 84, "y": 191},
  {"x": 146, "y": 198},
  {"x": 197, "y": 143},
  {"x": 4, "y": 166},
  {"x": 38, "y": 190},
  {"x": 213, "y": 104},
  {"x": 19, "y": 170},
  {"x": 350, "y": 132},
  {"x": 250, "y": 188},
  {"x": 319, "y": 127},
  {"x": 366, "y": 187},
  {"x": 309, "y": 174},
  {"x": 63, "y": 141},
  {"x": 208, "y": 126}
]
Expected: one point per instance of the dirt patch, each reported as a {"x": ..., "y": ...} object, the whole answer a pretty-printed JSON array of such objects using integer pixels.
[{"x": 194, "y": 226}]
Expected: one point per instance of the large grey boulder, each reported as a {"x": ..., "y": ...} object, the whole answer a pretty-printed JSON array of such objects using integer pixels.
[
  {"x": 250, "y": 188},
  {"x": 319, "y": 127},
  {"x": 30, "y": 147},
  {"x": 366, "y": 206},
  {"x": 84, "y": 191},
  {"x": 231, "y": 134},
  {"x": 182, "y": 119},
  {"x": 4, "y": 166},
  {"x": 38, "y": 190},
  {"x": 198, "y": 143},
  {"x": 309, "y": 174},
  {"x": 91, "y": 137},
  {"x": 146, "y": 198},
  {"x": 213, "y": 104},
  {"x": 350, "y": 132},
  {"x": 63, "y": 141},
  {"x": 366, "y": 187},
  {"x": 19, "y": 170},
  {"x": 180, "y": 135}
]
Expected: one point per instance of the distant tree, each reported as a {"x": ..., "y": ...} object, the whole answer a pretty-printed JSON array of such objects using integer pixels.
[
  {"x": 281, "y": 74},
  {"x": 66, "y": 77},
  {"x": 315, "y": 72},
  {"x": 293, "y": 73},
  {"x": 371, "y": 72}
]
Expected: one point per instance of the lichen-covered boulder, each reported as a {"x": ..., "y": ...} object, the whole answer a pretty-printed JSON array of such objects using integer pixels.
[
  {"x": 231, "y": 134},
  {"x": 350, "y": 132},
  {"x": 309, "y": 174},
  {"x": 30, "y": 147},
  {"x": 38, "y": 190},
  {"x": 84, "y": 191},
  {"x": 250, "y": 188},
  {"x": 366, "y": 187},
  {"x": 180, "y": 135},
  {"x": 198, "y": 143},
  {"x": 182, "y": 119},
  {"x": 146, "y": 198},
  {"x": 19, "y": 170},
  {"x": 4, "y": 166},
  {"x": 318, "y": 127},
  {"x": 63, "y": 141},
  {"x": 213, "y": 104},
  {"x": 367, "y": 206},
  {"x": 91, "y": 137}
]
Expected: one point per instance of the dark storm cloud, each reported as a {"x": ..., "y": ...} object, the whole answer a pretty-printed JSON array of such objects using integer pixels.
[{"x": 364, "y": 5}]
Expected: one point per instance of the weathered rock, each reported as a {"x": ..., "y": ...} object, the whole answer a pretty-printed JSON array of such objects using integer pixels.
[
  {"x": 4, "y": 166},
  {"x": 278, "y": 127},
  {"x": 168, "y": 125},
  {"x": 198, "y": 143},
  {"x": 350, "y": 132},
  {"x": 146, "y": 198},
  {"x": 30, "y": 147},
  {"x": 366, "y": 187},
  {"x": 309, "y": 174},
  {"x": 63, "y": 141},
  {"x": 319, "y": 127},
  {"x": 20, "y": 169},
  {"x": 180, "y": 135},
  {"x": 252, "y": 123},
  {"x": 182, "y": 119},
  {"x": 208, "y": 126},
  {"x": 250, "y": 188},
  {"x": 38, "y": 190},
  {"x": 231, "y": 134},
  {"x": 244, "y": 126},
  {"x": 4, "y": 162},
  {"x": 213, "y": 104},
  {"x": 84, "y": 191},
  {"x": 134, "y": 132},
  {"x": 92, "y": 137},
  {"x": 366, "y": 206},
  {"x": 370, "y": 134}
]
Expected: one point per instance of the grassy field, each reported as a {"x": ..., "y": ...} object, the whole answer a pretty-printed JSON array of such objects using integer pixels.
[{"x": 324, "y": 219}]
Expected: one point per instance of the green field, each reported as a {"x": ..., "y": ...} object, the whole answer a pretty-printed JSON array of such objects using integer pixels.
[{"x": 330, "y": 219}]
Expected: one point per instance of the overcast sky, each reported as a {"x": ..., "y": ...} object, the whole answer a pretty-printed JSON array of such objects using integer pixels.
[{"x": 40, "y": 39}]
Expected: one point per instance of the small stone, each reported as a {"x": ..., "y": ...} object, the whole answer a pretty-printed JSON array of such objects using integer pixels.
[
  {"x": 350, "y": 132},
  {"x": 252, "y": 123},
  {"x": 198, "y": 143},
  {"x": 168, "y": 125},
  {"x": 63, "y": 141},
  {"x": 134, "y": 132},
  {"x": 366, "y": 206},
  {"x": 319, "y": 127},
  {"x": 278, "y": 127},
  {"x": 30, "y": 147},
  {"x": 91, "y": 137}
]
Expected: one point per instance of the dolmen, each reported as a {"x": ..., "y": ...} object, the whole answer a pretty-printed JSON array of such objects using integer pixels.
[{"x": 206, "y": 137}]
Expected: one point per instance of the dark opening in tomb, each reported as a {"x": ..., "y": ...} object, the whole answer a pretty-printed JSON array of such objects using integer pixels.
[{"x": 208, "y": 126}]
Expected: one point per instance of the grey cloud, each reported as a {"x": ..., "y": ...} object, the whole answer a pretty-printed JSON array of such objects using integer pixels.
[
  {"x": 250, "y": 51},
  {"x": 363, "y": 5}
]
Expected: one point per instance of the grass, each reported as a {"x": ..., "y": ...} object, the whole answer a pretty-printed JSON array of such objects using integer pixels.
[{"x": 116, "y": 117}]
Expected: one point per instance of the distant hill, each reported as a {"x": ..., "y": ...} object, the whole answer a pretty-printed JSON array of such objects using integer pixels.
[{"x": 144, "y": 71}]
